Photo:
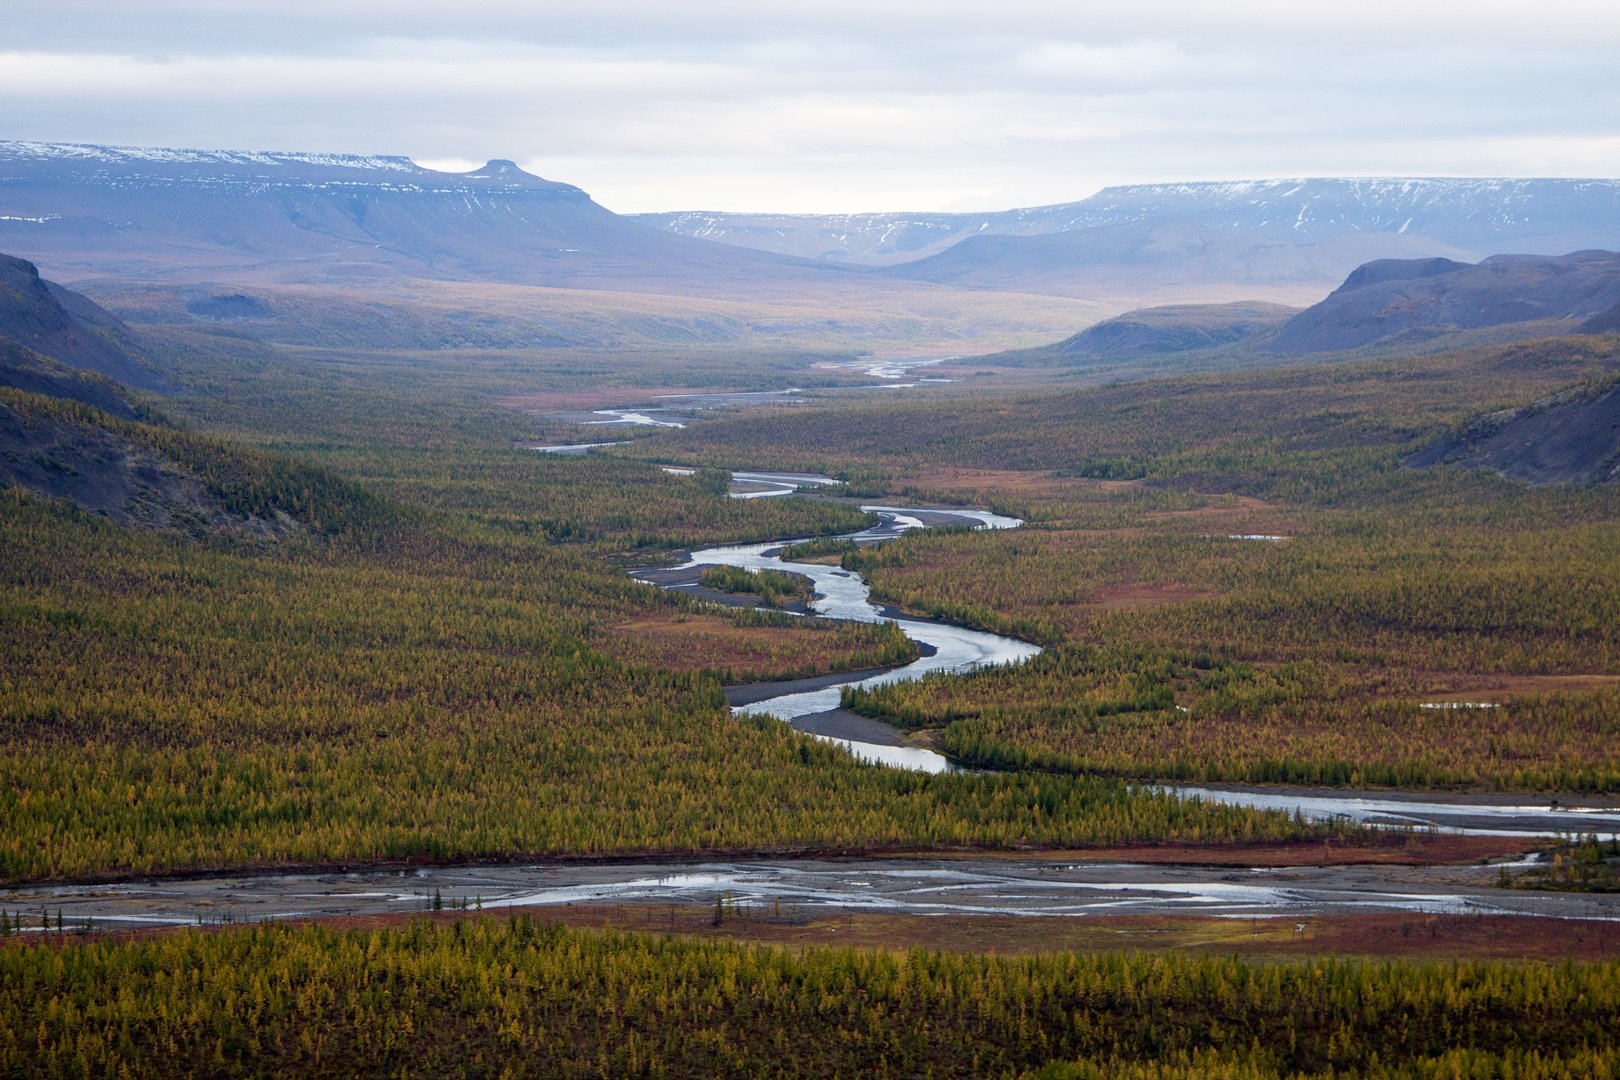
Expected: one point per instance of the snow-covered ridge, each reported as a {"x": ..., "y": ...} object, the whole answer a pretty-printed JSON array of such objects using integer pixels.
[{"x": 81, "y": 152}]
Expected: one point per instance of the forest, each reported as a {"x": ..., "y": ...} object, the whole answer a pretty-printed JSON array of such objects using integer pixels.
[
  {"x": 450, "y": 662},
  {"x": 475, "y": 996}
]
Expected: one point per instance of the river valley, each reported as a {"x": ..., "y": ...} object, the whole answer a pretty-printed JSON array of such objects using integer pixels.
[{"x": 922, "y": 885}]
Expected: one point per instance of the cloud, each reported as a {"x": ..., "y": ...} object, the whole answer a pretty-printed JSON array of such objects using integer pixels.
[{"x": 839, "y": 105}]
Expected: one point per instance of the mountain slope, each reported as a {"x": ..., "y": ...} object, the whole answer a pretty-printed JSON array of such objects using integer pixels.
[
  {"x": 187, "y": 215},
  {"x": 1409, "y": 302},
  {"x": 154, "y": 476},
  {"x": 1485, "y": 216}
]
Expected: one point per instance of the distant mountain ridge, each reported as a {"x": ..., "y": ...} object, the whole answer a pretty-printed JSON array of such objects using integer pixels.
[
  {"x": 20, "y": 152},
  {"x": 1484, "y": 216},
  {"x": 244, "y": 220},
  {"x": 1158, "y": 256},
  {"x": 159, "y": 214}
]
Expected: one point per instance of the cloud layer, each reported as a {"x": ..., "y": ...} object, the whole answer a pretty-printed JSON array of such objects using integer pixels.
[{"x": 840, "y": 106}]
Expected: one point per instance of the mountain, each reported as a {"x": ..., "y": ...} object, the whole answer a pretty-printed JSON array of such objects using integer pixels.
[
  {"x": 1157, "y": 256},
  {"x": 1412, "y": 301},
  {"x": 279, "y": 218},
  {"x": 69, "y": 431},
  {"x": 1482, "y": 216},
  {"x": 1176, "y": 328}
]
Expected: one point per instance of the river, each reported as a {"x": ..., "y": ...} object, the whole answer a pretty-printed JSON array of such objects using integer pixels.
[
  {"x": 925, "y": 886},
  {"x": 842, "y": 594},
  {"x": 918, "y": 886}
]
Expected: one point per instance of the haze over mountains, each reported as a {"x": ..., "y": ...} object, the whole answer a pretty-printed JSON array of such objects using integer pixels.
[
  {"x": 1283, "y": 240},
  {"x": 1161, "y": 257},
  {"x": 327, "y": 248},
  {"x": 295, "y": 218}
]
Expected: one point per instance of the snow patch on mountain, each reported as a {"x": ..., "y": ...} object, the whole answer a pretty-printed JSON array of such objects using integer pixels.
[{"x": 52, "y": 151}]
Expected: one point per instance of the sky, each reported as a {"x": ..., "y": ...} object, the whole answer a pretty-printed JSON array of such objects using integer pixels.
[{"x": 839, "y": 106}]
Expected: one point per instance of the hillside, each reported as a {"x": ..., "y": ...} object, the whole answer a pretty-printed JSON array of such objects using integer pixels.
[
  {"x": 1567, "y": 438},
  {"x": 59, "y": 326},
  {"x": 156, "y": 477},
  {"x": 1399, "y": 303},
  {"x": 1176, "y": 328},
  {"x": 1487, "y": 216}
]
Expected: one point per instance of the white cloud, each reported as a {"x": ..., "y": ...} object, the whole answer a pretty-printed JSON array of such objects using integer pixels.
[{"x": 839, "y": 105}]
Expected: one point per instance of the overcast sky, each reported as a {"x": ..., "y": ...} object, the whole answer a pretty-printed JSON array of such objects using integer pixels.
[{"x": 839, "y": 105}]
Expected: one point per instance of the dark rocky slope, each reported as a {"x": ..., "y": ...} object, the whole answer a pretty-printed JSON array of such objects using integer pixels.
[
  {"x": 61, "y": 326},
  {"x": 1569, "y": 438}
]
